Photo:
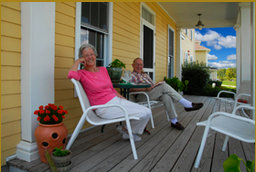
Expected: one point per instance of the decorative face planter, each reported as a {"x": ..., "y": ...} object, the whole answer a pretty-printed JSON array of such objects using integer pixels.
[{"x": 50, "y": 136}]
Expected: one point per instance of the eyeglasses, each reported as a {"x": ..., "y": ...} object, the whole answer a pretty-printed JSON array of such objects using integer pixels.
[{"x": 91, "y": 55}]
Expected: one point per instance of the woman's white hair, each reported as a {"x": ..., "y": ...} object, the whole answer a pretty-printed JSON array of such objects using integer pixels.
[{"x": 85, "y": 46}]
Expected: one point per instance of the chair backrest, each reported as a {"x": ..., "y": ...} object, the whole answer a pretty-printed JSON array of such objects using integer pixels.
[{"x": 84, "y": 101}]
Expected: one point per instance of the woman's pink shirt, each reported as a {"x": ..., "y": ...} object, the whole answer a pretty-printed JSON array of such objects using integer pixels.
[{"x": 97, "y": 85}]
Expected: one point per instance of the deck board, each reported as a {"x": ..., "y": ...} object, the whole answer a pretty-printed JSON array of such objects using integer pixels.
[{"x": 165, "y": 149}]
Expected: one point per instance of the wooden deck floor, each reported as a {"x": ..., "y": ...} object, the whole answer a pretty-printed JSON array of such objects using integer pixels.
[{"x": 166, "y": 149}]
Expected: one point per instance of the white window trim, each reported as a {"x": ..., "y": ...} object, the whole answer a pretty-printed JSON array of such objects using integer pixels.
[
  {"x": 151, "y": 26},
  {"x": 173, "y": 59}
]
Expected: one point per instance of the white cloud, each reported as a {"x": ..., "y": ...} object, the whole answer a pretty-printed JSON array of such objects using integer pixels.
[
  {"x": 228, "y": 42},
  {"x": 231, "y": 57},
  {"x": 212, "y": 57},
  {"x": 222, "y": 64},
  {"x": 215, "y": 40}
]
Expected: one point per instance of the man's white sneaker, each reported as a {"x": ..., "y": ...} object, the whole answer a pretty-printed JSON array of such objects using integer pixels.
[
  {"x": 119, "y": 129},
  {"x": 135, "y": 137}
]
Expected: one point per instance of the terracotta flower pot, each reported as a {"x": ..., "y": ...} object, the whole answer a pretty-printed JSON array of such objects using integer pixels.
[{"x": 50, "y": 136}]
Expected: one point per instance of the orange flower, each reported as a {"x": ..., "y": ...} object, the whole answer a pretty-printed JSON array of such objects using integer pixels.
[
  {"x": 61, "y": 107},
  {"x": 36, "y": 112},
  {"x": 41, "y": 111},
  {"x": 46, "y": 107},
  {"x": 54, "y": 107},
  {"x": 60, "y": 111},
  {"x": 38, "y": 118},
  {"x": 63, "y": 116},
  {"x": 55, "y": 118},
  {"x": 48, "y": 112},
  {"x": 41, "y": 107},
  {"x": 47, "y": 118},
  {"x": 65, "y": 111}
]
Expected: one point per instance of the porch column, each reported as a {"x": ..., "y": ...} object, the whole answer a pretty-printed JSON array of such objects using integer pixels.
[
  {"x": 179, "y": 59},
  {"x": 253, "y": 55},
  {"x": 37, "y": 70},
  {"x": 245, "y": 41},
  {"x": 238, "y": 55}
]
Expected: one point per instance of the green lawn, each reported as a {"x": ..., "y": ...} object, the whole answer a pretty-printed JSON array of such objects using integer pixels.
[{"x": 231, "y": 83}]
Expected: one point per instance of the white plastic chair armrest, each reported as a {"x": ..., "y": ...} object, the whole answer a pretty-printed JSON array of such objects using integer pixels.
[
  {"x": 224, "y": 91},
  {"x": 139, "y": 92},
  {"x": 244, "y": 106}
]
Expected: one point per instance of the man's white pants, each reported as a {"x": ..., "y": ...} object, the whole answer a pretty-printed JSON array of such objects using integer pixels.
[{"x": 133, "y": 109}]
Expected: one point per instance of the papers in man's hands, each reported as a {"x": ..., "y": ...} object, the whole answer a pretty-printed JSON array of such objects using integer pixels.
[{"x": 158, "y": 83}]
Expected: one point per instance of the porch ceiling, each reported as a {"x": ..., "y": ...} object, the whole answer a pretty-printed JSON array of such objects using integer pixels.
[{"x": 214, "y": 14}]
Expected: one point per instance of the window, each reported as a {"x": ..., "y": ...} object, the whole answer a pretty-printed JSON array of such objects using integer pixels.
[
  {"x": 191, "y": 34},
  {"x": 186, "y": 57},
  {"x": 170, "y": 52},
  {"x": 186, "y": 32},
  {"x": 147, "y": 15},
  {"x": 94, "y": 27}
]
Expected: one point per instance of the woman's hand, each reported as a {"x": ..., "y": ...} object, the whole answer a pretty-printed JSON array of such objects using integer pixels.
[{"x": 76, "y": 64}]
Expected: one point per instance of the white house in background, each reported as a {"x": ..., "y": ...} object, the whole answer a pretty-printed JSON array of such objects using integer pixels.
[{"x": 202, "y": 56}]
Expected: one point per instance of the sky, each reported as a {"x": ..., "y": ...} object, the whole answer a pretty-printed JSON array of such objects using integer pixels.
[{"x": 222, "y": 43}]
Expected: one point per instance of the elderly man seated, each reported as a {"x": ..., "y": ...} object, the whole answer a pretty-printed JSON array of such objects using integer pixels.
[{"x": 161, "y": 92}]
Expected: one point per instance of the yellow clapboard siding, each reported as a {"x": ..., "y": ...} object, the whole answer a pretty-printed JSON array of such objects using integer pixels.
[
  {"x": 12, "y": 5},
  {"x": 64, "y": 19},
  {"x": 61, "y": 62},
  {"x": 10, "y": 142},
  {"x": 125, "y": 54},
  {"x": 9, "y": 129},
  {"x": 10, "y": 30},
  {"x": 10, "y": 101},
  {"x": 64, "y": 94},
  {"x": 63, "y": 84},
  {"x": 74, "y": 113},
  {"x": 10, "y": 73},
  {"x": 126, "y": 33},
  {"x": 124, "y": 10},
  {"x": 61, "y": 73},
  {"x": 10, "y": 44},
  {"x": 134, "y": 7},
  {"x": 126, "y": 40},
  {"x": 64, "y": 51},
  {"x": 64, "y": 30},
  {"x": 65, "y": 9},
  {"x": 10, "y": 15},
  {"x": 68, "y": 104},
  {"x": 10, "y": 58},
  {"x": 64, "y": 40},
  {"x": 127, "y": 26},
  {"x": 72, "y": 4},
  {"x": 10, "y": 87},
  {"x": 7, "y": 153},
  {"x": 8, "y": 115},
  {"x": 123, "y": 46}
]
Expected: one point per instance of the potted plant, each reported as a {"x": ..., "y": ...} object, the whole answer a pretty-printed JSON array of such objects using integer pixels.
[
  {"x": 115, "y": 70},
  {"x": 233, "y": 164},
  {"x": 176, "y": 84},
  {"x": 62, "y": 159},
  {"x": 51, "y": 132}
]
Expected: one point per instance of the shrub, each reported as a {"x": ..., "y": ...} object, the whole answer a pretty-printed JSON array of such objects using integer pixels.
[
  {"x": 176, "y": 84},
  {"x": 198, "y": 76},
  {"x": 212, "y": 92}
]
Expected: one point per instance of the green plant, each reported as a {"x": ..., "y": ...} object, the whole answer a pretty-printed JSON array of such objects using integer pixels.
[
  {"x": 50, "y": 161},
  {"x": 232, "y": 164},
  {"x": 60, "y": 152},
  {"x": 117, "y": 63},
  {"x": 198, "y": 75},
  {"x": 50, "y": 114},
  {"x": 176, "y": 84}
]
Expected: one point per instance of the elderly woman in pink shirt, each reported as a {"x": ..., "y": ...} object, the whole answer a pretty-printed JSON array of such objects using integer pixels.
[{"x": 99, "y": 89}]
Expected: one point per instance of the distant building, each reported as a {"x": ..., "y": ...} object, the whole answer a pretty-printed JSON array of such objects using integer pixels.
[{"x": 202, "y": 56}]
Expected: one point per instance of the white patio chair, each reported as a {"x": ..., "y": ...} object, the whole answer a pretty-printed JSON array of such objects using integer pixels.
[
  {"x": 243, "y": 93},
  {"x": 231, "y": 125},
  {"x": 92, "y": 118},
  {"x": 153, "y": 104}
]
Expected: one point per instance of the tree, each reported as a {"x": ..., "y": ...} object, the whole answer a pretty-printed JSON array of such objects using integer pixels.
[{"x": 230, "y": 73}]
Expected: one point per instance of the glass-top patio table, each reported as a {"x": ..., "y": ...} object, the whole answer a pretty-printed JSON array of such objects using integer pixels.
[{"x": 125, "y": 87}]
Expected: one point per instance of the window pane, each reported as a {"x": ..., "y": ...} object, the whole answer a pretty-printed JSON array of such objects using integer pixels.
[
  {"x": 85, "y": 12},
  {"x": 148, "y": 47},
  {"x": 170, "y": 42},
  {"x": 103, "y": 15},
  {"x": 147, "y": 16},
  {"x": 95, "y": 14}
]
